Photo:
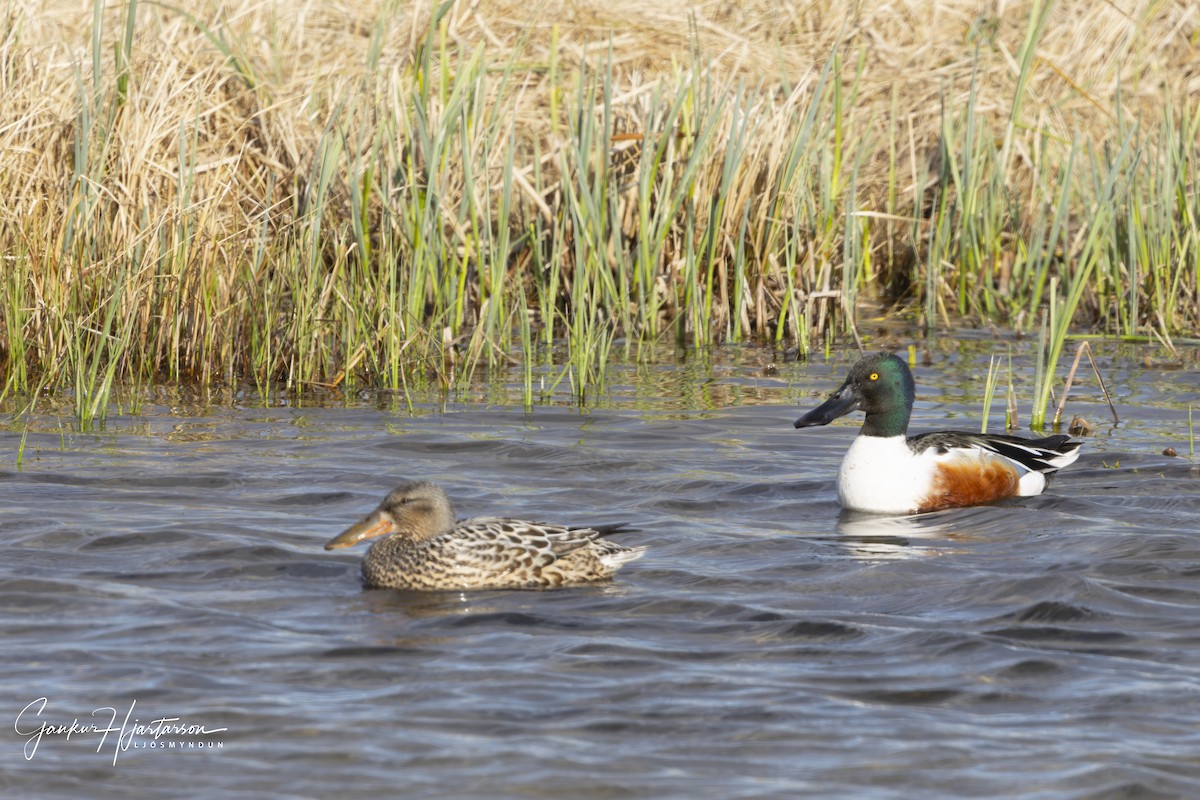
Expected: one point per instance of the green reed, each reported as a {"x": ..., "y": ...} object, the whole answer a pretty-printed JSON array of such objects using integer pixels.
[
  {"x": 15, "y": 315},
  {"x": 427, "y": 237},
  {"x": 1109, "y": 187},
  {"x": 989, "y": 391}
]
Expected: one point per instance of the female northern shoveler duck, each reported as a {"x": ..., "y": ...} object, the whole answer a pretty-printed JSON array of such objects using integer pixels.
[
  {"x": 424, "y": 548},
  {"x": 888, "y": 472}
]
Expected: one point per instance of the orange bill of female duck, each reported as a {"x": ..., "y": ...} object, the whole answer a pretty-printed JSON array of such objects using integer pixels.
[{"x": 886, "y": 471}]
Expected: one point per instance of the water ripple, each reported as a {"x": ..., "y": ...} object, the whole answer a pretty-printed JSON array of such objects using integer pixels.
[{"x": 769, "y": 645}]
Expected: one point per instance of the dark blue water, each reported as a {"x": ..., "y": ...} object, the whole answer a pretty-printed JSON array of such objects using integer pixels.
[{"x": 767, "y": 646}]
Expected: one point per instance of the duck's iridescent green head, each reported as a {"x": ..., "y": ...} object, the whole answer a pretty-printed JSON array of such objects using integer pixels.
[{"x": 879, "y": 385}]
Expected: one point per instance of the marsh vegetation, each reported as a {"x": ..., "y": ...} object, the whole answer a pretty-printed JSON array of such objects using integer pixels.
[{"x": 393, "y": 194}]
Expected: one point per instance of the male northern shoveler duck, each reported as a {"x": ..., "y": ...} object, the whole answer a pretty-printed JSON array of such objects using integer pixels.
[
  {"x": 888, "y": 472},
  {"x": 424, "y": 548}
]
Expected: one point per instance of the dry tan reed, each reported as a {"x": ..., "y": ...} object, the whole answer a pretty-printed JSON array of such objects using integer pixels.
[{"x": 204, "y": 221}]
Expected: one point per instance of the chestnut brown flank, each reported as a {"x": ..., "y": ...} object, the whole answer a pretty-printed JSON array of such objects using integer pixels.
[{"x": 971, "y": 483}]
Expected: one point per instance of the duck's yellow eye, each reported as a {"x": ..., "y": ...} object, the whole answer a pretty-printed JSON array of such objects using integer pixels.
[{"x": 874, "y": 376}]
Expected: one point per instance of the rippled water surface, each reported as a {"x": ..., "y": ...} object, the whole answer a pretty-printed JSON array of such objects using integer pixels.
[{"x": 767, "y": 646}]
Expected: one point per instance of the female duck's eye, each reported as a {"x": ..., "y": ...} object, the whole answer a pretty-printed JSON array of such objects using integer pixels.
[{"x": 874, "y": 376}]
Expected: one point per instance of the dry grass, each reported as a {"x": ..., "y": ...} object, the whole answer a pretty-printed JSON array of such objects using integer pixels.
[{"x": 323, "y": 192}]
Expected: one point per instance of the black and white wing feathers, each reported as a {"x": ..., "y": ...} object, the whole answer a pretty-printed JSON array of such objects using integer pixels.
[{"x": 1047, "y": 455}]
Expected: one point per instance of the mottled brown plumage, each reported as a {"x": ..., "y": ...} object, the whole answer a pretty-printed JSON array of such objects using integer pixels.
[{"x": 424, "y": 548}]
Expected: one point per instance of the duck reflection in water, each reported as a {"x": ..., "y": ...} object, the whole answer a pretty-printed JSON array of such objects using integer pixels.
[{"x": 870, "y": 536}]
